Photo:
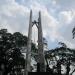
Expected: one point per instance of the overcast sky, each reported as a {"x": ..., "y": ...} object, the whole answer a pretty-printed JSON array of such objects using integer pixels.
[{"x": 58, "y": 18}]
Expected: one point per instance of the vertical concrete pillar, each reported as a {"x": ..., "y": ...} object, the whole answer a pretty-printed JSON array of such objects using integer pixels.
[
  {"x": 28, "y": 53},
  {"x": 41, "y": 58}
]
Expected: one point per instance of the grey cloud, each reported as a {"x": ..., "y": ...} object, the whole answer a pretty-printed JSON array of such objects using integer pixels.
[{"x": 14, "y": 15}]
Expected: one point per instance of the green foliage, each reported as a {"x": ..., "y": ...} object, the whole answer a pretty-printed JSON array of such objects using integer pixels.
[
  {"x": 33, "y": 47},
  {"x": 19, "y": 39},
  {"x": 10, "y": 49},
  {"x": 10, "y": 54},
  {"x": 62, "y": 52}
]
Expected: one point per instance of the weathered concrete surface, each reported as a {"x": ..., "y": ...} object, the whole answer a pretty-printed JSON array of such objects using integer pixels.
[
  {"x": 41, "y": 58},
  {"x": 28, "y": 53}
]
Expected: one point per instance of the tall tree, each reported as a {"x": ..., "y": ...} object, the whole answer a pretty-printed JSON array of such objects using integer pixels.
[{"x": 10, "y": 49}]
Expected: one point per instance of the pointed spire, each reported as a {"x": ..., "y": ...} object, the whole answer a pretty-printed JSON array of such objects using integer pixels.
[
  {"x": 30, "y": 17},
  {"x": 39, "y": 19},
  {"x": 28, "y": 52},
  {"x": 41, "y": 57}
]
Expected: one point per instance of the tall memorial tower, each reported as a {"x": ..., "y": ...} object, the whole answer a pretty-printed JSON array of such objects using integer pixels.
[{"x": 41, "y": 57}]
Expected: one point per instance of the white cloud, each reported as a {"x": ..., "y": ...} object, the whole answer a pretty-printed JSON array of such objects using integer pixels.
[
  {"x": 13, "y": 16},
  {"x": 57, "y": 30},
  {"x": 66, "y": 17},
  {"x": 13, "y": 8}
]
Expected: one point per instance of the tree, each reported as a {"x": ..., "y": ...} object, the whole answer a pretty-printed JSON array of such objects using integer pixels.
[
  {"x": 66, "y": 55},
  {"x": 10, "y": 49}
]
